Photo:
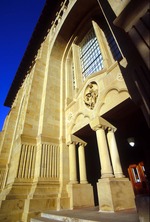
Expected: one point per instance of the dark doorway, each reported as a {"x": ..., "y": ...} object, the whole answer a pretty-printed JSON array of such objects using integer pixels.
[
  {"x": 92, "y": 157},
  {"x": 130, "y": 122}
]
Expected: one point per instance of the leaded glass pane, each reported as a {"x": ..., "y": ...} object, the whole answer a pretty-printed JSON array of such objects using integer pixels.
[{"x": 90, "y": 54}]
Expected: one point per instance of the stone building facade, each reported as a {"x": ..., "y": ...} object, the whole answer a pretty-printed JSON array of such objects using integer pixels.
[{"x": 81, "y": 88}]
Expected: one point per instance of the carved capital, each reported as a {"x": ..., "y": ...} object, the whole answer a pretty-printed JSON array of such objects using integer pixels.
[
  {"x": 76, "y": 140},
  {"x": 82, "y": 144},
  {"x": 100, "y": 123},
  {"x": 71, "y": 143},
  {"x": 98, "y": 127},
  {"x": 111, "y": 129}
]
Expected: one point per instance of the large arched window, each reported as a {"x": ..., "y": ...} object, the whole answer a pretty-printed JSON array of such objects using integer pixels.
[
  {"x": 98, "y": 49},
  {"x": 93, "y": 51},
  {"x": 90, "y": 54}
]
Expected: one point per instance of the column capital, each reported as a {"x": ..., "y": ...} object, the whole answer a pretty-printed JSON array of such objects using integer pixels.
[
  {"x": 82, "y": 144},
  {"x": 112, "y": 129},
  {"x": 71, "y": 142},
  {"x": 99, "y": 126},
  {"x": 99, "y": 122},
  {"x": 75, "y": 139}
]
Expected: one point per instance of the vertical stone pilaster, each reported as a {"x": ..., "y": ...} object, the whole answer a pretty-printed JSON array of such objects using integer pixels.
[
  {"x": 114, "y": 154},
  {"x": 82, "y": 166}
]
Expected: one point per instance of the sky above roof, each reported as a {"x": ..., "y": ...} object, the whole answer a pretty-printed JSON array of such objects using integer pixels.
[{"x": 18, "y": 19}]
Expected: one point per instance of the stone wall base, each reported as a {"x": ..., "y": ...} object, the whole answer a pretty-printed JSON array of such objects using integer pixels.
[{"x": 30, "y": 199}]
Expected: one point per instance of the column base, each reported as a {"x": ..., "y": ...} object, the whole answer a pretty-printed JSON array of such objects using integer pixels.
[
  {"x": 73, "y": 182},
  {"x": 83, "y": 182},
  {"x": 119, "y": 175},
  {"x": 107, "y": 175},
  {"x": 115, "y": 194},
  {"x": 81, "y": 195}
]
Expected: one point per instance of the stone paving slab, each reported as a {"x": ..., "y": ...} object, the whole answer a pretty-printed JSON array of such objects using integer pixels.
[
  {"x": 92, "y": 214},
  {"x": 89, "y": 215}
]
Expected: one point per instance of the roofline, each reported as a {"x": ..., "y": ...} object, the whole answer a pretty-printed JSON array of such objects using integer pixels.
[{"x": 48, "y": 14}]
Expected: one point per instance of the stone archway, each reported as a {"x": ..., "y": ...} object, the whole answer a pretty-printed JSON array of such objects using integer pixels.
[
  {"x": 111, "y": 181},
  {"x": 91, "y": 156}
]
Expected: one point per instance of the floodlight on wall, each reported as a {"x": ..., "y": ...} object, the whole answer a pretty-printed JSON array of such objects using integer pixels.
[{"x": 131, "y": 141}]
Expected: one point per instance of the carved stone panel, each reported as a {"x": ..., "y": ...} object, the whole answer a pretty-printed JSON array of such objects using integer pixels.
[{"x": 90, "y": 95}]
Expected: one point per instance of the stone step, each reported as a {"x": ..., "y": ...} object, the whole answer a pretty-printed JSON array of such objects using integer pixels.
[
  {"x": 87, "y": 215},
  {"x": 40, "y": 219},
  {"x": 45, "y": 217}
]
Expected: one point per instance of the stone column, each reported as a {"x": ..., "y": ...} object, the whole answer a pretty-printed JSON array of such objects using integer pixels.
[
  {"x": 72, "y": 163},
  {"x": 82, "y": 166},
  {"x": 114, "y": 153},
  {"x": 106, "y": 169}
]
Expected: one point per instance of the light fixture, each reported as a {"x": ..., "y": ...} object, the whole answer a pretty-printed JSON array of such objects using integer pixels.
[{"x": 131, "y": 141}]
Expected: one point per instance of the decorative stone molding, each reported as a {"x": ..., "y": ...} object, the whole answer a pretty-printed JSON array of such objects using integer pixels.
[
  {"x": 3, "y": 175},
  {"x": 27, "y": 160},
  {"x": 119, "y": 77},
  {"x": 49, "y": 166},
  {"x": 90, "y": 95},
  {"x": 69, "y": 117},
  {"x": 60, "y": 14},
  {"x": 99, "y": 122},
  {"x": 76, "y": 140}
]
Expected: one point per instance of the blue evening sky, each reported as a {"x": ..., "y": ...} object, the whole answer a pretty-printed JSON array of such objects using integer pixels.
[{"x": 17, "y": 22}]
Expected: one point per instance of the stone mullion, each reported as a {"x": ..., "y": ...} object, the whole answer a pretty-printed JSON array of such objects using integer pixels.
[
  {"x": 50, "y": 165},
  {"x": 43, "y": 160},
  {"x": 44, "y": 168},
  {"x": 53, "y": 162},
  {"x": 20, "y": 168},
  {"x": 107, "y": 56},
  {"x": 31, "y": 161},
  {"x": 77, "y": 67},
  {"x": 58, "y": 160},
  {"x": 48, "y": 161},
  {"x": 55, "y": 166},
  {"x": 24, "y": 161},
  {"x": 27, "y": 161},
  {"x": 42, "y": 157}
]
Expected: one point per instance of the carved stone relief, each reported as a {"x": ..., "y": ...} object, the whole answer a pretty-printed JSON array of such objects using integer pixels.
[{"x": 90, "y": 95}]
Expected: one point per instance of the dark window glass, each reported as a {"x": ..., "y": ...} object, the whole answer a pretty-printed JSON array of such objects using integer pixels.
[{"x": 90, "y": 54}]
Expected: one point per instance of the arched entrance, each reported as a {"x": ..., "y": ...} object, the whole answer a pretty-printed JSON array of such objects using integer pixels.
[
  {"x": 130, "y": 122},
  {"x": 92, "y": 158}
]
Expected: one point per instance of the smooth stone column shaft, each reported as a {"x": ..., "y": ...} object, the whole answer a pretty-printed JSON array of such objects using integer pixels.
[
  {"x": 114, "y": 154},
  {"x": 106, "y": 169},
  {"x": 82, "y": 164},
  {"x": 72, "y": 163}
]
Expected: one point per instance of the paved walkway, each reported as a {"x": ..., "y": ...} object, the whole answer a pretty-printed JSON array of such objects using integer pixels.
[{"x": 93, "y": 214}]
